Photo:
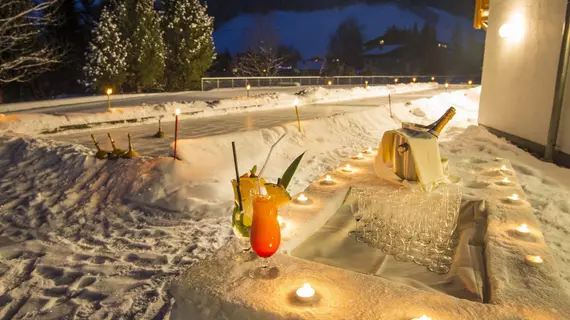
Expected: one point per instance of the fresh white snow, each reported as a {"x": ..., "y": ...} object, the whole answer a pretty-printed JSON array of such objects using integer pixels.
[
  {"x": 32, "y": 123},
  {"x": 102, "y": 239}
]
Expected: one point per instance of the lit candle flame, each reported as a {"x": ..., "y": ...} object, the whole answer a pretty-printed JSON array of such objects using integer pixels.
[
  {"x": 369, "y": 150},
  {"x": 305, "y": 292},
  {"x": 360, "y": 155},
  {"x": 514, "y": 197},
  {"x": 534, "y": 259},
  {"x": 347, "y": 168},
  {"x": 523, "y": 229},
  {"x": 506, "y": 180},
  {"x": 328, "y": 178},
  {"x": 504, "y": 168},
  {"x": 177, "y": 112},
  {"x": 302, "y": 198}
]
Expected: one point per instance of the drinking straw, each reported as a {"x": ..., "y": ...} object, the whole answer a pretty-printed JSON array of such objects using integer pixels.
[
  {"x": 269, "y": 155},
  {"x": 237, "y": 176}
]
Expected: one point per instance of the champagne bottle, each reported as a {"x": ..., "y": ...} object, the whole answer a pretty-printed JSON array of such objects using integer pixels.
[{"x": 436, "y": 127}]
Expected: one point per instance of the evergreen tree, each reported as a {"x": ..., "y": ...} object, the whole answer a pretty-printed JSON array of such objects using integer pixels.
[
  {"x": 457, "y": 48},
  {"x": 108, "y": 51},
  {"x": 345, "y": 47},
  {"x": 146, "y": 58},
  {"x": 190, "y": 47}
]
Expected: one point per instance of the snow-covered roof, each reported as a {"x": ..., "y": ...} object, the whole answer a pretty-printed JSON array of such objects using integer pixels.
[{"x": 382, "y": 50}]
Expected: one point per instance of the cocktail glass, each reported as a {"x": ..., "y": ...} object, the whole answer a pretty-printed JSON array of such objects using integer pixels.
[{"x": 265, "y": 235}]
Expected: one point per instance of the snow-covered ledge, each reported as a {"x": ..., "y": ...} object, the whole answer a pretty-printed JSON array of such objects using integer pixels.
[{"x": 219, "y": 287}]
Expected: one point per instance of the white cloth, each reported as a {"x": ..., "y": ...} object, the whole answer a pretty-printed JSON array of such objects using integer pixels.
[{"x": 424, "y": 149}]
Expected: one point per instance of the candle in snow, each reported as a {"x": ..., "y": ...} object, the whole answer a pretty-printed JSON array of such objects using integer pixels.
[
  {"x": 359, "y": 156},
  {"x": 347, "y": 168},
  {"x": 514, "y": 198},
  {"x": 302, "y": 198},
  {"x": 534, "y": 259},
  {"x": 305, "y": 293},
  {"x": 505, "y": 181},
  {"x": 522, "y": 230},
  {"x": 369, "y": 150}
]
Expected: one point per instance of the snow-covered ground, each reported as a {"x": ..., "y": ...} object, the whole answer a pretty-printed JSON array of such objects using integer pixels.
[
  {"x": 31, "y": 123},
  {"x": 103, "y": 239}
]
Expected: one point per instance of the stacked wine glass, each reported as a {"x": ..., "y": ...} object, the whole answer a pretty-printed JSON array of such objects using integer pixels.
[{"x": 411, "y": 226}]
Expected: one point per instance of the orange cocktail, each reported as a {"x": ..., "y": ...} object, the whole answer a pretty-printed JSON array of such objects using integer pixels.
[{"x": 265, "y": 235}]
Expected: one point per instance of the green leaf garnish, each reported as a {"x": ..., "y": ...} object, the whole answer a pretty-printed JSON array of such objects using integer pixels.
[
  {"x": 288, "y": 175},
  {"x": 253, "y": 170}
]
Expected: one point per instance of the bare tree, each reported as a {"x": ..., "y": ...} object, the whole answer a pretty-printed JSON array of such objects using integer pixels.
[
  {"x": 262, "y": 58},
  {"x": 24, "y": 52},
  {"x": 262, "y": 62}
]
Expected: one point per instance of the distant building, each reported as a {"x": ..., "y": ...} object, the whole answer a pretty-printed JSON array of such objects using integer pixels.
[{"x": 311, "y": 67}]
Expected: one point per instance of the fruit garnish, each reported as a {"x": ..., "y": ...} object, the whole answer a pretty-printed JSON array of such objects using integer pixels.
[
  {"x": 278, "y": 193},
  {"x": 253, "y": 171}
]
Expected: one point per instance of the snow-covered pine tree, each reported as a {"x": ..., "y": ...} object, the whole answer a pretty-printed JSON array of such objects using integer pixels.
[
  {"x": 108, "y": 51},
  {"x": 190, "y": 46},
  {"x": 146, "y": 58}
]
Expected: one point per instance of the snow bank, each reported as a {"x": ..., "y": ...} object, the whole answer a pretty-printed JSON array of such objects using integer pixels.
[
  {"x": 100, "y": 239},
  {"x": 37, "y": 123}
]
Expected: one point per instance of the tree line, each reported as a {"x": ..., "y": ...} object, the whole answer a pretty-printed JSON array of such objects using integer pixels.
[{"x": 75, "y": 46}]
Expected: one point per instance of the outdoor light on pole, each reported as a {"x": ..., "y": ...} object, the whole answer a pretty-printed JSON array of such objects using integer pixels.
[
  {"x": 470, "y": 82},
  {"x": 330, "y": 82},
  {"x": 414, "y": 79},
  {"x": 432, "y": 78},
  {"x": 248, "y": 87},
  {"x": 446, "y": 86},
  {"x": 296, "y": 102},
  {"x": 109, "y": 93},
  {"x": 366, "y": 84},
  {"x": 395, "y": 80},
  {"x": 177, "y": 113}
]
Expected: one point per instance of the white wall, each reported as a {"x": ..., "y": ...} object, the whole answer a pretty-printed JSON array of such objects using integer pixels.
[{"x": 519, "y": 76}]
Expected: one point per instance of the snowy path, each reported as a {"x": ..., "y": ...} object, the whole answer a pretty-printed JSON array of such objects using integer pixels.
[
  {"x": 145, "y": 144},
  {"x": 62, "y": 106}
]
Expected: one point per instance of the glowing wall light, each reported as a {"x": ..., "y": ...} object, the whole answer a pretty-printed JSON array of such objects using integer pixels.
[{"x": 514, "y": 29}]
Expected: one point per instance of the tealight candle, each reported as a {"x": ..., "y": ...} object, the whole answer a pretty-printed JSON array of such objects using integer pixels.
[
  {"x": 534, "y": 259},
  {"x": 505, "y": 181},
  {"x": 347, "y": 168},
  {"x": 359, "y": 156},
  {"x": 515, "y": 197},
  {"x": 423, "y": 317},
  {"x": 522, "y": 230},
  {"x": 302, "y": 198},
  {"x": 369, "y": 150},
  {"x": 305, "y": 293},
  {"x": 328, "y": 178}
]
